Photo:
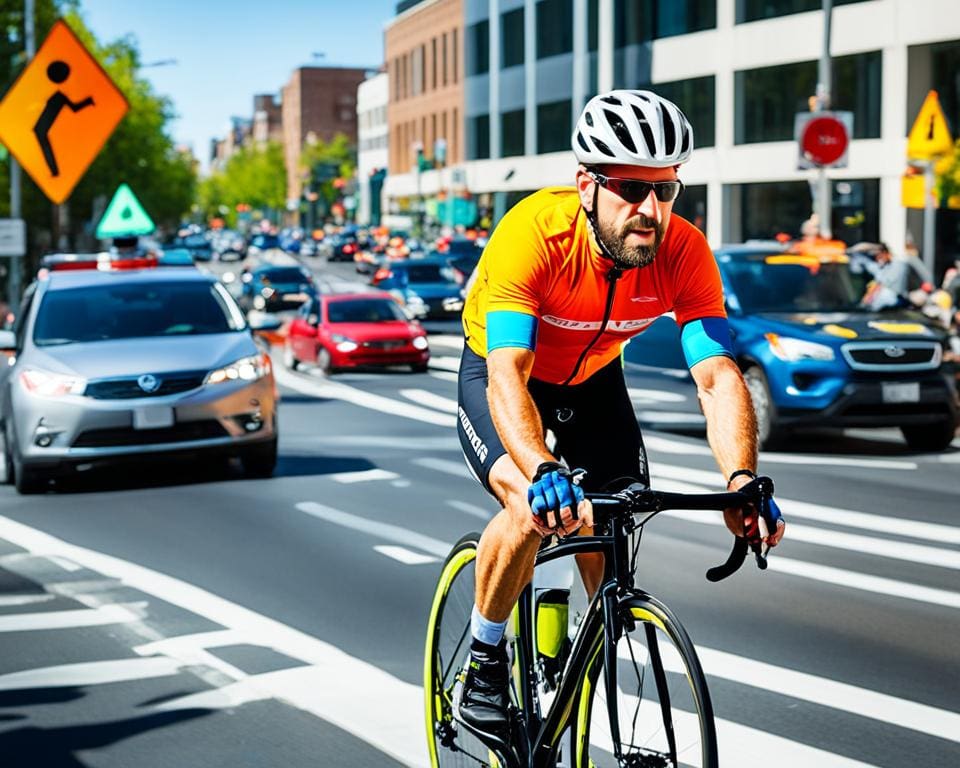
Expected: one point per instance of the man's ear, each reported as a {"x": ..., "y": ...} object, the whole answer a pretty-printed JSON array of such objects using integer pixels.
[{"x": 585, "y": 188}]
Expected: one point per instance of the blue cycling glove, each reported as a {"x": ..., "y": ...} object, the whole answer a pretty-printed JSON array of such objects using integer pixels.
[
  {"x": 762, "y": 488},
  {"x": 553, "y": 488}
]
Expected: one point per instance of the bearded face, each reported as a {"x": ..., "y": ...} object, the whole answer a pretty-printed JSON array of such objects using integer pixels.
[{"x": 625, "y": 255}]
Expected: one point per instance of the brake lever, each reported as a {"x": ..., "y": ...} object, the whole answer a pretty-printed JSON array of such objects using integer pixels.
[{"x": 737, "y": 555}]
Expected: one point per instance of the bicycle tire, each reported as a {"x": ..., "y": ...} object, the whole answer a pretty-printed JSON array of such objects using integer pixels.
[
  {"x": 658, "y": 640},
  {"x": 447, "y": 644}
]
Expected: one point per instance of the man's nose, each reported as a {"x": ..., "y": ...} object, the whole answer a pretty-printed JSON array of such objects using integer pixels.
[{"x": 650, "y": 206}]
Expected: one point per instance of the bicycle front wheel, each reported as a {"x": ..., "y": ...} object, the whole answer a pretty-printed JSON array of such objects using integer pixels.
[
  {"x": 448, "y": 643},
  {"x": 661, "y": 706}
]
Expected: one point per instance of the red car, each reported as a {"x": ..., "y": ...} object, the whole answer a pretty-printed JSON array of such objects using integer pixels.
[{"x": 355, "y": 329}]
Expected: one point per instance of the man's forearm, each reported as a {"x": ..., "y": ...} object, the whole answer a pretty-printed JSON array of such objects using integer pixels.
[
  {"x": 731, "y": 424},
  {"x": 517, "y": 421}
]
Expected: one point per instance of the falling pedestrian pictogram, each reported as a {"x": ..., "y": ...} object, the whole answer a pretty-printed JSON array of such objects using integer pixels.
[
  {"x": 59, "y": 113},
  {"x": 930, "y": 136}
]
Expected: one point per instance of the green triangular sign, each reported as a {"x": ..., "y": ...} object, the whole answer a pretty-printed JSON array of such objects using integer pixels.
[{"x": 124, "y": 216}]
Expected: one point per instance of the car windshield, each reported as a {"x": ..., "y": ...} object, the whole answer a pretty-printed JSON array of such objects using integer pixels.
[
  {"x": 780, "y": 283},
  {"x": 134, "y": 310},
  {"x": 285, "y": 275},
  {"x": 364, "y": 311},
  {"x": 428, "y": 273}
]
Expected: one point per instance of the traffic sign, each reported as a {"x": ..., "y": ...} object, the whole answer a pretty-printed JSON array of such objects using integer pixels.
[
  {"x": 823, "y": 139},
  {"x": 124, "y": 217},
  {"x": 930, "y": 136},
  {"x": 13, "y": 237},
  {"x": 59, "y": 113}
]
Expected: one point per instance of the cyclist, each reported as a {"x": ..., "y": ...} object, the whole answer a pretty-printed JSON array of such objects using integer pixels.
[{"x": 566, "y": 278}]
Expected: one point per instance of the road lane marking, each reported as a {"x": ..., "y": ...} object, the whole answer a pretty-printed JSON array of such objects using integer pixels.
[
  {"x": 364, "y": 476},
  {"x": 445, "y": 375},
  {"x": 331, "y": 390},
  {"x": 6, "y": 600},
  {"x": 660, "y": 444},
  {"x": 386, "y": 531},
  {"x": 431, "y": 400},
  {"x": 914, "y": 529},
  {"x": 457, "y": 468},
  {"x": 448, "y": 443},
  {"x": 404, "y": 555},
  {"x": 471, "y": 509},
  {"x": 83, "y": 617},
  {"x": 670, "y": 417},
  {"x": 337, "y": 686},
  {"x": 445, "y": 363},
  {"x": 656, "y": 395},
  {"x": 89, "y": 673},
  {"x": 446, "y": 340}
]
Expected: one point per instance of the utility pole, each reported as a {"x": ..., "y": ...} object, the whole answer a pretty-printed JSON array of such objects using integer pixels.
[
  {"x": 824, "y": 194},
  {"x": 16, "y": 203}
]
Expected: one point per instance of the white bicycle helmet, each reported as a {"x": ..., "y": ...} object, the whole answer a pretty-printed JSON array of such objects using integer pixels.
[{"x": 632, "y": 128}]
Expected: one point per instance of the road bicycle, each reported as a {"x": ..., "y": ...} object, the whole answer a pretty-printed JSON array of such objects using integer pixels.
[{"x": 627, "y": 691}]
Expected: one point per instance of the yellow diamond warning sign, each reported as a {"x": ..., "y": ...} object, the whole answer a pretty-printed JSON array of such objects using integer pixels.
[
  {"x": 59, "y": 113},
  {"x": 930, "y": 137}
]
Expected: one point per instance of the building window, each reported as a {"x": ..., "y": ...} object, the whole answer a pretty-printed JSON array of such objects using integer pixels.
[
  {"x": 512, "y": 133},
  {"x": 478, "y": 48},
  {"x": 456, "y": 59},
  {"x": 554, "y": 27},
  {"x": 553, "y": 126},
  {"x": 433, "y": 64},
  {"x": 444, "y": 58},
  {"x": 697, "y": 99},
  {"x": 754, "y": 10},
  {"x": 638, "y": 21},
  {"x": 944, "y": 65},
  {"x": 767, "y": 99},
  {"x": 511, "y": 38},
  {"x": 478, "y": 137},
  {"x": 692, "y": 205},
  {"x": 423, "y": 68}
]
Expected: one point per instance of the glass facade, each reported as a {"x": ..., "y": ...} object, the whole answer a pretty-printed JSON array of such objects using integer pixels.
[
  {"x": 478, "y": 137},
  {"x": 554, "y": 27},
  {"x": 512, "y": 133},
  {"x": 477, "y": 48},
  {"x": 511, "y": 38},
  {"x": 754, "y": 10},
  {"x": 697, "y": 98},
  {"x": 945, "y": 68},
  {"x": 767, "y": 99},
  {"x": 692, "y": 205},
  {"x": 553, "y": 126},
  {"x": 639, "y": 21}
]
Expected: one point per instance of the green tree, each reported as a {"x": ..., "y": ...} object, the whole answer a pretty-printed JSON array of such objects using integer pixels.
[
  {"x": 320, "y": 160},
  {"x": 948, "y": 178},
  {"x": 255, "y": 175}
]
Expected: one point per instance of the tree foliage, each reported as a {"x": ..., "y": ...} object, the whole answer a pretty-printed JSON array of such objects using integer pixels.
[
  {"x": 948, "y": 178},
  {"x": 321, "y": 162},
  {"x": 255, "y": 175}
]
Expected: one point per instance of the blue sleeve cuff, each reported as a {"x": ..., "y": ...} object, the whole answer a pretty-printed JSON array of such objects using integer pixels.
[
  {"x": 708, "y": 337},
  {"x": 511, "y": 329}
]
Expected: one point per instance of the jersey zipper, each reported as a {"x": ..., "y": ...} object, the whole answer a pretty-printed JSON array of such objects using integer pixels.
[{"x": 612, "y": 276}]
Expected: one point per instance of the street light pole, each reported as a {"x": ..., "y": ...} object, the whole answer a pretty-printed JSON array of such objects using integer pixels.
[
  {"x": 16, "y": 202},
  {"x": 824, "y": 196}
]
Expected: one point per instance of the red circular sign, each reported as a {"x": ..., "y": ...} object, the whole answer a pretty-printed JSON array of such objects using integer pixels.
[{"x": 824, "y": 140}]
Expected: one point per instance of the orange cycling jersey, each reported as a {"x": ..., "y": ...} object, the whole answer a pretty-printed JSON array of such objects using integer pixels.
[{"x": 541, "y": 262}]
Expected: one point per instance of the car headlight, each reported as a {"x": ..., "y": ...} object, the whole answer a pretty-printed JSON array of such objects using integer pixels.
[
  {"x": 245, "y": 369},
  {"x": 48, "y": 384},
  {"x": 793, "y": 350},
  {"x": 343, "y": 343},
  {"x": 414, "y": 301},
  {"x": 420, "y": 342}
]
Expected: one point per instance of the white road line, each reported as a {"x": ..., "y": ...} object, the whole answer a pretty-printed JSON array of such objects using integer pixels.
[
  {"x": 914, "y": 529},
  {"x": 445, "y": 375},
  {"x": 84, "y": 617},
  {"x": 89, "y": 673},
  {"x": 327, "y": 389},
  {"x": 470, "y": 509},
  {"x": 445, "y": 363},
  {"x": 430, "y": 399},
  {"x": 337, "y": 686},
  {"x": 404, "y": 555},
  {"x": 656, "y": 395},
  {"x": 175, "y": 646},
  {"x": 457, "y": 468},
  {"x": 386, "y": 531},
  {"x": 6, "y": 600},
  {"x": 363, "y": 476},
  {"x": 659, "y": 444},
  {"x": 446, "y": 340}
]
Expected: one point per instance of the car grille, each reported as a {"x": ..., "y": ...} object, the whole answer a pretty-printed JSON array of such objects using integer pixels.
[
  {"x": 391, "y": 344},
  {"x": 127, "y": 388},
  {"x": 178, "y": 433},
  {"x": 893, "y": 356}
]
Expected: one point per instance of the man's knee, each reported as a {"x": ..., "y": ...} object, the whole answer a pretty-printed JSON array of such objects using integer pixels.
[{"x": 510, "y": 486}]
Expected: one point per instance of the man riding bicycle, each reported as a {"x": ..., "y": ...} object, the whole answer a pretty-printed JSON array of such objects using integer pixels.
[{"x": 567, "y": 277}]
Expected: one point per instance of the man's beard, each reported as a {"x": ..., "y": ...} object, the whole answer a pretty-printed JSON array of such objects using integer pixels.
[{"x": 631, "y": 256}]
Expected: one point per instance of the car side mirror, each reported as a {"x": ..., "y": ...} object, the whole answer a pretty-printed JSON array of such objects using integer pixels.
[{"x": 313, "y": 319}]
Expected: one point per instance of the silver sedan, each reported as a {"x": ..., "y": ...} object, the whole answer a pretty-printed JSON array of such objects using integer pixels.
[{"x": 113, "y": 365}]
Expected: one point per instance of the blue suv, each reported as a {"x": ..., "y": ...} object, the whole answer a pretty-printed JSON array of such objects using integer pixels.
[{"x": 813, "y": 356}]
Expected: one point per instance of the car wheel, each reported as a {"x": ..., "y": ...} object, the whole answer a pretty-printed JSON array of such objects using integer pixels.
[
  {"x": 420, "y": 367},
  {"x": 324, "y": 363},
  {"x": 768, "y": 433},
  {"x": 260, "y": 460},
  {"x": 289, "y": 359},
  {"x": 8, "y": 457},
  {"x": 930, "y": 437}
]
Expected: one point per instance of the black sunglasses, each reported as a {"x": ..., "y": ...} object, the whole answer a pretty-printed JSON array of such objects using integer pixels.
[{"x": 636, "y": 191}]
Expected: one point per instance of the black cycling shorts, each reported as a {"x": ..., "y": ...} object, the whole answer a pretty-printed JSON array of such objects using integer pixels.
[{"x": 593, "y": 422}]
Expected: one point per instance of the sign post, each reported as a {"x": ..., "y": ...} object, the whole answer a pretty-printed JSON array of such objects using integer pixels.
[{"x": 928, "y": 141}]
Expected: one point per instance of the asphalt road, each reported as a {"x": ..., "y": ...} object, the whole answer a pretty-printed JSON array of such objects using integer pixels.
[{"x": 184, "y": 616}]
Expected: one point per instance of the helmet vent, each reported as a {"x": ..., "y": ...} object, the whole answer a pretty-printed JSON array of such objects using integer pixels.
[
  {"x": 588, "y": 118},
  {"x": 582, "y": 142},
  {"x": 612, "y": 100},
  {"x": 603, "y": 148},
  {"x": 621, "y": 130},
  {"x": 685, "y": 141},
  {"x": 645, "y": 130},
  {"x": 669, "y": 133}
]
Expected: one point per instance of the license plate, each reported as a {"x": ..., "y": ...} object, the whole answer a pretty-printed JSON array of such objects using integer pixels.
[
  {"x": 901, "y": 393},
  {"x": 295, "y": 297},
  {"x": 152, "y": 417}
]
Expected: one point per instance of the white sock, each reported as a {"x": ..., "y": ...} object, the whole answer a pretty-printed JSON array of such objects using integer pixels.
[{"x": 484, "y": 630}]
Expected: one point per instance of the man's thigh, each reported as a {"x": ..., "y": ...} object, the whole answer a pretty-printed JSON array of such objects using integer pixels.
[{"x": 478, "y": 436}]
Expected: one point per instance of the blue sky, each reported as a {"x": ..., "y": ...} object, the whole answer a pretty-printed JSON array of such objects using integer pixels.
[{"x": 228, "y": 50}]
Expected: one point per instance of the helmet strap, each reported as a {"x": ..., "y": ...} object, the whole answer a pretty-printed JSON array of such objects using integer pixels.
[{"x": 594, "y": 224}]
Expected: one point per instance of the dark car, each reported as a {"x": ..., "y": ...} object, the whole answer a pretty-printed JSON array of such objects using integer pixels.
[
  {"x": 262, "y": 241},
  {"x": 198, "y": 245},
  {"x": 342, "y": 248},
  {"x": 271, "y": 288},
  {"x": 427, "y": 287}
]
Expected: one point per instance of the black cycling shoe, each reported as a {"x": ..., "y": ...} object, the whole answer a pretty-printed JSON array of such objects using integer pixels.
[{"x": 482, "y": 694}]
